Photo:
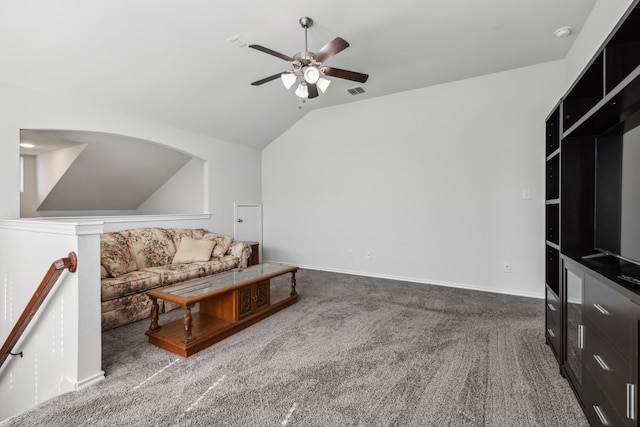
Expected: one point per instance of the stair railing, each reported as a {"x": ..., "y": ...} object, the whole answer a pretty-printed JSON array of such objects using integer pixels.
[{"x": 47, "y": 283}]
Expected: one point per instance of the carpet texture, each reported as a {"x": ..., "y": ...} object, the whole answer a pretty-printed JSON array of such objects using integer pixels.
[{"x": 354, "y": 351}]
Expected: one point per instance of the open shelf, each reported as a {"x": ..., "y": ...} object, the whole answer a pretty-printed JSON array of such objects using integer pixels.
[
  {"x": 622, "y": 101},
  {"x": 585, "y": 94},
  {"x": 553, "y": 223},
  {"x": 577, "y": 202},
  {"x": 553, "y": 131},
  {"x": 553, "y": 178},
  {"x": 552, "y": 266},
  {"x": 622, "y": 52}
]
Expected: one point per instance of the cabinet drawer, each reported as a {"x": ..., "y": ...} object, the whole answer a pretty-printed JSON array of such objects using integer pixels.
[
  {"x": 553, "y": 303},
  {"x": 610, "y": 370},
  {"x": 611, "y": 313},
  {"x": 598, "y": 408},
  {"x": 553, "y": 335},
  {"x": 552, "y": 312},
  {"x": 552, "y": 309}
]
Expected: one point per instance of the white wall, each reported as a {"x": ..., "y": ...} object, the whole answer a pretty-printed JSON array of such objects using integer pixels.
[
  {"x": 430, "y": 181},
  {"x": 233, "y": 173},
  {"x": 29, "y": 197},
  {"x": 50, "y": 167},
  {"x": 187, "y": 185}
]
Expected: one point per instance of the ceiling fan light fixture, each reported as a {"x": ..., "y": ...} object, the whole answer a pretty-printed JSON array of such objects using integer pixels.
[
  {"x": 302, "y": 91},
  {"x": 311, "y": 74},
  {"x": 323, "y": 84},
  {"x": 288, "y": 79}
]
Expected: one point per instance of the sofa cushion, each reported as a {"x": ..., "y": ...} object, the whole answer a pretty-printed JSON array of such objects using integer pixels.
[
  {"x": 174, "y": 273},
  {"x": 129, "y": 283},
  {"x": 223, "y": 243},
  {"x": 191, "y": 250},
  {"x": 150, "y": 247},
  {"x": 115, "y": 255},
  {"x": 218, "y": 264}
]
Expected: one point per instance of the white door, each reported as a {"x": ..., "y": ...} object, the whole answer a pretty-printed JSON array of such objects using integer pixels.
[{"x": 248, "y": 223}]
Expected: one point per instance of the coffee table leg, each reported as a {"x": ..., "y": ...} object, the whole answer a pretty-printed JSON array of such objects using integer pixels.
[
  {"x": 154, "y": 315},
  {"x": 293, "y": 284},
  {"x": 187, "y": 324}
]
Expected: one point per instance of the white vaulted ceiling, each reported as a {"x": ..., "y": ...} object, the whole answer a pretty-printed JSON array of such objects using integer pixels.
[{"x": 169, "y": 61}]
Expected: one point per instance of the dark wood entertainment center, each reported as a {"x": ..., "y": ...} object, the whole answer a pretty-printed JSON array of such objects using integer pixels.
[{"x": 592, "y": 302}]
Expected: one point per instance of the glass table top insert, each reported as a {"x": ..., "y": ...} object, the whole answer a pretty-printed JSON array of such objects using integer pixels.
[{"x": 210, "y": 284}]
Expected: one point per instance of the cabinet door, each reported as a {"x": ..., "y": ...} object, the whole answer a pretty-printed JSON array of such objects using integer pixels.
[
  {"x": 261, "y": 299},
  {"x": 574, "y": 336},
  {"x": 608, "y": 384},
  {"x": 253, "y": 298},
  {"x": 611, "y": 354},
  {"x": 245, "y": 301}
]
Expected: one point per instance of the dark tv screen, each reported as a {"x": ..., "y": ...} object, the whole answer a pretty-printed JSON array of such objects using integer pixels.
[{"x": 617, "y": 191}]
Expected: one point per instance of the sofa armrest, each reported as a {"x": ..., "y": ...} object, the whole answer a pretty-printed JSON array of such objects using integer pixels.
[{"x": 241, "y": 250}]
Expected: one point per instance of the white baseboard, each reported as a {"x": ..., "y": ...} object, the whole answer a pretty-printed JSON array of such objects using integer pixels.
[
  {"x": 90, "y": 380},
  {"x": 536, "y": 295}
]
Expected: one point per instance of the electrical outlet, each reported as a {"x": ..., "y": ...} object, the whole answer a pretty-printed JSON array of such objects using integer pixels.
[
  {"x": 368, "y": 255},
  {"x": 350, "y": 253},
  {"x": 507, "y": 267}
]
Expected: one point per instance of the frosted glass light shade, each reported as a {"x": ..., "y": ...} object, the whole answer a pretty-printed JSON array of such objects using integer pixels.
[
  {"x": 288, "y": 79},
  {"x": 311, "y": 74},
  {"x": 323, "y": 84},
  {"x": 302, "y": 91}
]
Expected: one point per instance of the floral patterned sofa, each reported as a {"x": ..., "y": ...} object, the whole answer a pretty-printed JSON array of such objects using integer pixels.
[{"x": 136, "y": 260}]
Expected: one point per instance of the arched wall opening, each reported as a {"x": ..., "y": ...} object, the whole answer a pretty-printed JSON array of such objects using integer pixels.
[{"x": 71, "y": 173}]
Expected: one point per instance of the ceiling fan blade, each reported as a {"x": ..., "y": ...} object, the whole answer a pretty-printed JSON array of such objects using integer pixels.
[
  {"x": 271, "y": 52},
  {"x": 335, "y": 46},
  {"x": 266, "y": 79},
  {"x": 345, "y": 74},
  {"x": 313, "y": 90}
]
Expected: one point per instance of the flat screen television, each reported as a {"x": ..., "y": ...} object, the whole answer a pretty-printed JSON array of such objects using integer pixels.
[{"x": 617, "y": 191}]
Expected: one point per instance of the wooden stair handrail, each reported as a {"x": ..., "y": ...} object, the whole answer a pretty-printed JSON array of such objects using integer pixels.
[{"x": 56, "y": 269}]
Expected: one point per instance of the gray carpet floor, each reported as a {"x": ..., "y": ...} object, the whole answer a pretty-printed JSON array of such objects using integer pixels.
[{"x": 354, "y": 351}]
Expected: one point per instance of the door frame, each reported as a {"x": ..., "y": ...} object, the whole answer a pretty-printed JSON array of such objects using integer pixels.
[{"x": 235, "y": 222}]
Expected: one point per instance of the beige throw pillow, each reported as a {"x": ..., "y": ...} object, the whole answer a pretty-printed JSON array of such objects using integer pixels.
[
  {"x": 191, "y": 250},
  {"x": 223, "y": 243}
]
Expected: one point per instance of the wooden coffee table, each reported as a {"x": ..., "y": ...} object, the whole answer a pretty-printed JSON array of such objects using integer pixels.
[{"x": 229, "y": 302}]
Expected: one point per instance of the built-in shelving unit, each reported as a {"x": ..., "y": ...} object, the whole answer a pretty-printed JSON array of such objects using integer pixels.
[
  {"x": 552, "y": 238},
  {"x": 592, "y": 312}
]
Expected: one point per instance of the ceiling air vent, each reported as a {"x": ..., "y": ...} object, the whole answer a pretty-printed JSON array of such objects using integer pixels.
[{"x": 358, "y": 90}]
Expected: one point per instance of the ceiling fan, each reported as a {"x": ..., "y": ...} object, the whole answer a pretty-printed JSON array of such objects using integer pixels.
[{"x": 308, "y": 68}]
